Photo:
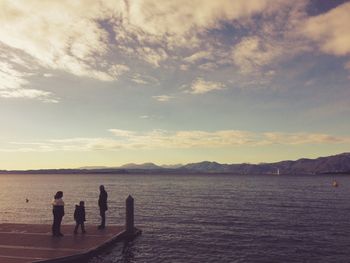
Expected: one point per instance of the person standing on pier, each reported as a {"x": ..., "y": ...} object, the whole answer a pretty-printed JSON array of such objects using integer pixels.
[
  {"x": 58, "y": 213},
  {"x": 102, "y": 203}
]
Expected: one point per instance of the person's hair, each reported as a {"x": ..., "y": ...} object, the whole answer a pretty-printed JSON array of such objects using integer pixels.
[
  {"x": 102, "y": 187},
  {"x": 81, "y": 203},
  {"x": 59, "y": 195}
]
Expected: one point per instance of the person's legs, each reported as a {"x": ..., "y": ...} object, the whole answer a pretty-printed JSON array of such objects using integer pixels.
[
  {"x": 76, "y": 228},
  {"x": 103, "y": 222},
  {"x": 54, "y": 225},
  {"x": 59, "y": 220},
  {"x": 83, "y": 228},
  {"x": 103, "y": 218}
]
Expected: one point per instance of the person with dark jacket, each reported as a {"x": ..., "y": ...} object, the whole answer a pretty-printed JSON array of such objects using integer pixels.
[
  {"x": 102, "y": 203},
  {"x": 58, "y": 213},
  {"x": 79, "y": 217}
]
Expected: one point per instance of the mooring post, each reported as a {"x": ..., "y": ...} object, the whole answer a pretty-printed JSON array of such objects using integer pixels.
[{"x": 129, "y": 216}]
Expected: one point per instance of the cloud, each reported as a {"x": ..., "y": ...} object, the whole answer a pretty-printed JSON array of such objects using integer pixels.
[
  {"x": 11, "y": 79},
  {"x": 118, "y": 69},
  {"x": 48, "y": 75},
  {"x": 67, "y": 35},
  {"x": 86, "y": 38},
  {"x": 331, "y": 30},
  {"x": 184, "y": 67},
  {"x": 144, "y": 79},
  {"x": 251, "y": 53},
  {"x": 162, "y": 98},
  {"x": 200, "y": 86},
  {"x": 151, "y": 30},
  {"x": 210, "y": 66},
  {"x": 208, "y": 59},
  {"x": 30, "y": 94},
  {"x": 301, "y": 138},
  {"x": 14, "y": 85},
  {"x": 176, "y": 20},
  {"x": 275, "y": 38},
  {"x": 139, "y": 79},
  {"x": 198, "y": 56},
  {"x": 122, "y": 133},
  {"x": 162, "y": 139},
  {"x": 78, "y": 37},
  {"x": 153, "y": 56},
  {"x": 262, "y": 41},
  {"x": 155, "y": 139}
]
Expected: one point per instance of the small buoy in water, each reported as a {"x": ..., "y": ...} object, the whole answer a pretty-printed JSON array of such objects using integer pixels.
[
  {"x": 27, "y": 200},
  {"x": 335, "y": 183}
]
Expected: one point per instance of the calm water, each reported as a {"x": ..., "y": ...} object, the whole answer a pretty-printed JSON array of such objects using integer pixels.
[{"x": 215, "y": 218}]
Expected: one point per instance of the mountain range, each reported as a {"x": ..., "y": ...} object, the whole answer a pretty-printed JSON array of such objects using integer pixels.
[
  {"x": 331, "y": 164},
  {"x": 339, "y": 163}
]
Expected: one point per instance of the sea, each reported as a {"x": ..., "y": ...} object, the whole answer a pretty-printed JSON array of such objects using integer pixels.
[{"x": 200, "y": 218}]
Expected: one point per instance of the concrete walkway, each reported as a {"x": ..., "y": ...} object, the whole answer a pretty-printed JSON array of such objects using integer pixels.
[{"x": 20, "y": 243}]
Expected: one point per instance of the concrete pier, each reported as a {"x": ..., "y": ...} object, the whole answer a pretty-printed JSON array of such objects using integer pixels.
[
  {"x": 27, "y": 243},
  {"x": 20, "y": 243}
]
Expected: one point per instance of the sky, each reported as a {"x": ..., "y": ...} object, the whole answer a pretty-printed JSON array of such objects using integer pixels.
[{"x": 104, "y": 83}]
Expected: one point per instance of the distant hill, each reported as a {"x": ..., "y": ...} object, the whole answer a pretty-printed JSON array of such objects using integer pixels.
[
  {"x": 332, "y": 164},
  {"x": 171, "y": 166},
  {"x": 93, "y": 167},
  {"x": 208, "y": 167},
  {"x": 339, "y": 163},
  {"x": 140, "y": 166}
]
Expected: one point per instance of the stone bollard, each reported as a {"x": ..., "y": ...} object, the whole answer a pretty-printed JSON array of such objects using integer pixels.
[{"x": 129, "y": 216}]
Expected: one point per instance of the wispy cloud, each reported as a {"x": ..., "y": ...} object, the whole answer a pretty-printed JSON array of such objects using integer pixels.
[
  {"x": 198, "y": 56},
  {"x": 117, "y": 70},
  {"x": 30, "y": 94},
  {"x": 48, "y": 75},
  {"x": 163, "y": 98},
  {"x": 144, "y": 79},
  {"x": 210, "y": 66},
  {"x": 301, "y": 138},
  {"x": 201, "y": 86},
  {"x": 153, "y": 56},
  {"x": 11, "y": 79},
  {"x": 251, "y": 53},
  {"x": 206, "y": 58},
  {"x": 162, "y": 139},
  {"x": 122, "y": 133},
  {"x": 15, "y": 85}
]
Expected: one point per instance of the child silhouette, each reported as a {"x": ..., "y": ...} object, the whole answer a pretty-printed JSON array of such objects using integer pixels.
[{"x": 79, "y": 217}]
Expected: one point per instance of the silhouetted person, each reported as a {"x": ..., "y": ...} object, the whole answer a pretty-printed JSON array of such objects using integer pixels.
[
  {"x": 102, "y": 203},
  {"x": 58, "y": 213},
  {"x": 79, "y": 217}
]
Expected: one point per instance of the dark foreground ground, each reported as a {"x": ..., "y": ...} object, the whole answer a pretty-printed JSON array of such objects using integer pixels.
[{"x": 22, "y": 243}]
